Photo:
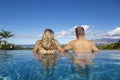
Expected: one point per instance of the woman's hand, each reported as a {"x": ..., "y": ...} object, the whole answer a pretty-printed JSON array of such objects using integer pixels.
[{"x": 50, "y": 52}]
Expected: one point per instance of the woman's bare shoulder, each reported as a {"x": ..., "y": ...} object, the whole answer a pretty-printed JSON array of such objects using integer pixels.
[
  {"x": 38, "y": 42},
  {"x": 56, "y": 41}
]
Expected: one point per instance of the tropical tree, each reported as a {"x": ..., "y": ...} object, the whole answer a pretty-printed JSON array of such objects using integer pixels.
[
  {"x": 5, "y": 34},
  {"x": 117, "y": 45},
  {"x": 0, "y": 38},
  {"x": 119, "y": 41}
]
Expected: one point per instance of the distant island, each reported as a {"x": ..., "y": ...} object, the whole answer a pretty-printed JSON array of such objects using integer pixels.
[{"x": 111, "y": 46}]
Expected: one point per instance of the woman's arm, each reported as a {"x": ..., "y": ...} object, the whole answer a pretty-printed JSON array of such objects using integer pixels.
[
  {"x": 59, "y": 46},
  {"x": 36, "y": 48}
]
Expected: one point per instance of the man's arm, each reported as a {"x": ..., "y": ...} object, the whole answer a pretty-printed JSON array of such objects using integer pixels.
[
  {"x": 95, "y": 50},
  {"x": 69, "y": 55},
  {"x": 68, "y": 46}
]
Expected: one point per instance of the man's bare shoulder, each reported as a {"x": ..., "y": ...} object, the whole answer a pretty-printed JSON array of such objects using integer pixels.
[
  {"x": 73, "y": 41},
  {"x": 90, "y": 41}
]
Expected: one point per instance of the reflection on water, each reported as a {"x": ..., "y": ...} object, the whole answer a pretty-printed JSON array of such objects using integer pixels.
[
  {"x": 48, "y": 63},
  {"x": 83, "y": 72},
  {"x": 83, "y": 65},
  {"x": 24, "y": 65},
  {"x": 5, "y": 56}
]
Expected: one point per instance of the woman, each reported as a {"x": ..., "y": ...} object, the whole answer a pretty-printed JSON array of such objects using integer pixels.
[
  {"x": 47, "y": 45},
  {"x": 45, "y": 50}
]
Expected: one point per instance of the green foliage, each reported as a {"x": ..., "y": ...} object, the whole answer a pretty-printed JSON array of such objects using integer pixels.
[
  {"x": 7, "y": 47},
  {"x": 3, "y": 38},
  {"x": 6, "y": 34},
  {"x": 111, "y": 46},
  {"x": 10, "y": 46}
]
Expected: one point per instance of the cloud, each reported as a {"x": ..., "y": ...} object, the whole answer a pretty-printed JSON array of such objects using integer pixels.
[
  {"x": 70, "y": 33},
  {"x": 26, "y": 36},
  {"x": 86, "y": 27},
  {"x": 111, "y": 34},
  {"x": 65, "y": 33},
  {"x": 90, "y": 33},
  {"x": 114, "y": 32}
]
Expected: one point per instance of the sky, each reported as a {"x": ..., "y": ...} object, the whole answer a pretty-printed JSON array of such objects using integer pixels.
[{"x": 27, "y": 19}]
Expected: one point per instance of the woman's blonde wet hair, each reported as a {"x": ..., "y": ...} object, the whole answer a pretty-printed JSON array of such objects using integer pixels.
[{"x": 48, "y": 41}]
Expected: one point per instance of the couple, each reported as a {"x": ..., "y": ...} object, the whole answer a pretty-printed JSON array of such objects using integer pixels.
[{"x": 48, "y": 45}]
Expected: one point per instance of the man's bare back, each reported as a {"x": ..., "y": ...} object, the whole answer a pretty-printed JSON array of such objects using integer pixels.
[{"x": 81, "y": 46}]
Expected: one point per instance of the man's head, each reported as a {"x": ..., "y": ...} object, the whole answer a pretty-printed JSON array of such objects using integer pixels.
[{"x": 79, "y": 31}]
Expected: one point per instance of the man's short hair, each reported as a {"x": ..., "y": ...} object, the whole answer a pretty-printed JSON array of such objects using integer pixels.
[{"x": 79, "y": 31}]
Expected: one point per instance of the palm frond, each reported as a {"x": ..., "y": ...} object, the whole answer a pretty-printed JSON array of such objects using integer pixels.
[{"x": 6, "y": 34}]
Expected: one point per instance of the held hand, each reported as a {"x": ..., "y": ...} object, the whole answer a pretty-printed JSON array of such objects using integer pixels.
[{"x": 52, "y": 51}]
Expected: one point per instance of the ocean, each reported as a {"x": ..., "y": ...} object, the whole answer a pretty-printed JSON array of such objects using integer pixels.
[{"x": 27, "y": 46}]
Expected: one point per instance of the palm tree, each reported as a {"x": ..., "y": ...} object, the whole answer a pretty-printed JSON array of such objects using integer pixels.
[
  {"x": 5, "y": 34},
  {"x": 0, "y": 37}
]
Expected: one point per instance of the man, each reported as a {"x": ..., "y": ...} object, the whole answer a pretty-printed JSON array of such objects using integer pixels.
[
  {"x": 84, "y": 50},
  {"x": 81, "y": 45}
]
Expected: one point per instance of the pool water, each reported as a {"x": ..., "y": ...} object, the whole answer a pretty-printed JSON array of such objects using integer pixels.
[{"x": 23, "y": 65}]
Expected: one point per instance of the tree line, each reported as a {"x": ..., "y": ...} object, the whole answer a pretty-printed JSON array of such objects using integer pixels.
[
  {"x": 4, "y": 35},
  {"x": 111, "y": 46},
  {"x": 4, "y": 45}
]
